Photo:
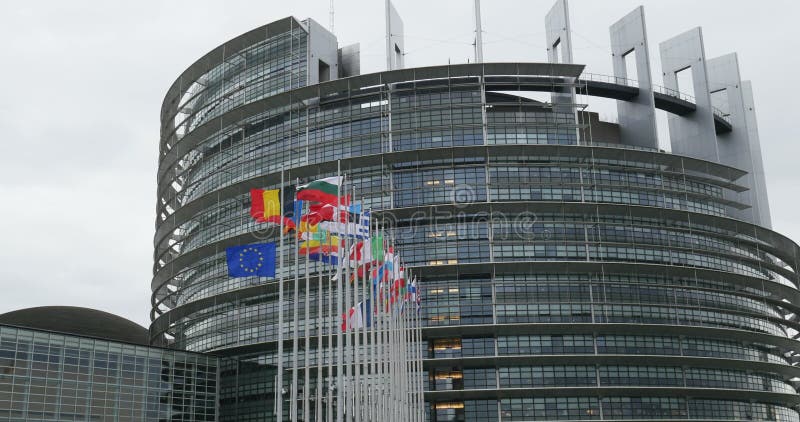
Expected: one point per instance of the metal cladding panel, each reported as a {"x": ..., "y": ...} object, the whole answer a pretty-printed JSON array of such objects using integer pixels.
[
  {"x": 364, "y": 81},
  {"x": 637, "y": 117},
  {"x": 551, "y": 69},
  {"x": 470, "y": 69},
  {"x": 333, "y": 87},
  {"x": 693, "y": 134},
  {"x": 350, "y": 60},
  {"x": 403, "y": 75}
]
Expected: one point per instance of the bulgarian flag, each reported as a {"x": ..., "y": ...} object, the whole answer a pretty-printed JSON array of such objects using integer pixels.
[
  {"x": 323, "y": 190},
  {"x": 265, "y": 207}
]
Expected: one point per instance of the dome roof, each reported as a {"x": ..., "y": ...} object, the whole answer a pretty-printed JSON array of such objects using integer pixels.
[{"x": 78, "y": 321}]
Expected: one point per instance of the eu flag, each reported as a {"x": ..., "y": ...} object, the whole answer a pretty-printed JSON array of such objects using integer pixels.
[{"x": 251, "y": 260}]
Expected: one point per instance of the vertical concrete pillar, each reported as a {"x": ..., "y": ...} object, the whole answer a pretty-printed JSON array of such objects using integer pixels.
[
  {"x": 735, "y": 148},
  {"x": 557, "y": 31},
  {"x": 692, "y": 135},
  {"x": 760, "y": 185},
  {"x": 395, "y": 48},
  {"x": 323, "y": 54},
  {"x": 559, "y": 40},
  {"x": 637, "y": 118}
]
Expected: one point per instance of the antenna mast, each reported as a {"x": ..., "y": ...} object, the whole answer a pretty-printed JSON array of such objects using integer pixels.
[
  {"x": 478, "y": 33},
  {"x": 331, "y": 17}
]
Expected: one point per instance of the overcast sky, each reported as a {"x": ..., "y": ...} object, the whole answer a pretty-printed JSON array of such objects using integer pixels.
[{"x": 82, "y": 85}]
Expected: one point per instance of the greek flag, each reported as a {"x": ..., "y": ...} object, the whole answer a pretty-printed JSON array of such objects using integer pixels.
[{"x": 358, "y": 229}]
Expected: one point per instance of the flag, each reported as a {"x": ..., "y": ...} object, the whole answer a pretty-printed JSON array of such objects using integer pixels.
[
  {"x": 419, "y": 298},
  {"x": 397, "y": 290},
  {"x": 361, "y": 272},
  {"x": 382, "y": 273},
  {"x": 265, "y": 207},
  {"x": 330, "y": 257},
  {"x": 318, "y": 213},
  {"x": 319, "y": 245},
  {"x": 318, "y": 235},
  {"x": 297, "y": 211},
  {"x": 357, "y": 317},
  {"x": 377, "y": 247},
  {"x": 357, "y": 228},
  {"x": 354, "y": 208},
  {"x": 323, "y": 248},
  {"x": 366, "y": 251},
  {"x": 388, "y": 261},
  {"x": 251, "y": 260},
  {"x": 323, "y": 190},
  {"x": 308, "y": 231},
  {"x": 360, "y": 253}
]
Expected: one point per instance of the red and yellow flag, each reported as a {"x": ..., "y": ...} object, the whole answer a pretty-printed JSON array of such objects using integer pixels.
[{"x": 265, "y": 207}]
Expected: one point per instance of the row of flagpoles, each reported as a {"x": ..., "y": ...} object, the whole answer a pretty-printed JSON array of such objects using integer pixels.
[{"x": 373, "y": 367}]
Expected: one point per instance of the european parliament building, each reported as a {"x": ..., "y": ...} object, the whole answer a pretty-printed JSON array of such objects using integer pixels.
[{"x": 570, "y": 268}]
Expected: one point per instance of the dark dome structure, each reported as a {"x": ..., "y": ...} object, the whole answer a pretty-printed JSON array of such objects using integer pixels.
[{"x": 78, "y": 321}]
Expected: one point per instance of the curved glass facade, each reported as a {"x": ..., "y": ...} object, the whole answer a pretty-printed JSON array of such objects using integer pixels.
[
  {"x": 562, "y": 279},
  {"x": 48, "y": 376}
]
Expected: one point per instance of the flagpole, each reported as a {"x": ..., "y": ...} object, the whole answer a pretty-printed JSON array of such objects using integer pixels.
[
  {"x": 379, "y": 337},
  {"x": 395, "y": 339},
  {"x": 410, "y": 355},
  {"x": 401, "y": 358},
  {"x": 420, "y": 378},
  {"x": 295, "y": 329},
  {"x": 340, "y": 362},
  {"x": 333, "y": 331},
  {"x": 418, "y": 354},
  {"x": 364, "y": 387},
  {"x": 348, "y": 410},
  {"x": 407, "y": 350},
  {"x": 357, "y": 335},
  {"x": 402, "y": 361},
  {"x": 371, "y": 334},
  {"x": 388, "y": 339},
  {"x": 377, "y": 333},
  {"x": 320, "y": 358},
  {"x": 307, "y": 333},
  {"x": 279, "y": 387},
  {"x": 392, "y": 343}
]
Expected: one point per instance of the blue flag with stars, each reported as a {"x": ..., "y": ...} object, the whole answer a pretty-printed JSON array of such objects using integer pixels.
[{"x": 251, "y": 260}]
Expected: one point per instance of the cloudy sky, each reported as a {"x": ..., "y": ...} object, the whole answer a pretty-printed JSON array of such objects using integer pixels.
[{"x": 82, "y": 84}]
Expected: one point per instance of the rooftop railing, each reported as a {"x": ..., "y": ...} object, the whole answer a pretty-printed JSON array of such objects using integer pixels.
[{"x": 610, "y": 79}]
